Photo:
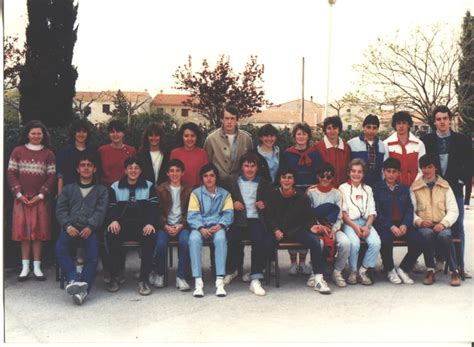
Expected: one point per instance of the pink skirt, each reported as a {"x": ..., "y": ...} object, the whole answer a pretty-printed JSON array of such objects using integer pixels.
[{"x": 31, "y": 222}]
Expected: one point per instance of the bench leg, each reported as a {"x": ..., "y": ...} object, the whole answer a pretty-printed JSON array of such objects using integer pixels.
[
  {"x": 268, "y": 265},
  {"x": 171, "y": 256},
  {"x": 166, "y": 277},
  {"x": 277, "y": 268}
]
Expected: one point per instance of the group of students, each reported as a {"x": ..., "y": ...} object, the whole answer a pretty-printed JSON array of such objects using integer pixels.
[{"x": 328, "y": 196}]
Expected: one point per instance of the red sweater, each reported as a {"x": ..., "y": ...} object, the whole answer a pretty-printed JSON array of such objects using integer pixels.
[
  {"x": 193, "y": 161},
  {"x": 112, "y": 160},
  {"x": 31, "y": 172},
  {"x": 339, "y": 157}
]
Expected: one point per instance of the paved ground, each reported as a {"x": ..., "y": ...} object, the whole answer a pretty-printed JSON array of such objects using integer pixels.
[{"x": 41, "y": 312}]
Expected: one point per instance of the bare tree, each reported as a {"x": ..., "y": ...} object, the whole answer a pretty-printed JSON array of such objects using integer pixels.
[
  {"x": 82, "y": 107},
  {"x": 417, "y": 74},
  {"x": 13, "y": 60}
]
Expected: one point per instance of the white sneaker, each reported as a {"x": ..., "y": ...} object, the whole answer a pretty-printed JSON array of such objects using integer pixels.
[
  {"x": 199, "y": 288},
  {"x": 151, "y": 277},
  {"x": 467, "y": 274},
  {"x": 159, "y": 281},
  {"x": 220, "y": 291},
  {"x": 439, "y": 266},
  {"x": 76, "y": 287},
  {"x": 293, "y": 269},
  {"x": 228, "y": 278},
  {"x": 352, "y": 279},
  {"x": 245, "y": 277},
  {"x": 305, "y": 269},
  {"x": 418, "y": 268},
  {"x": 338, "y": 279},
  {"x": 404, "y": 277},
  {"x": 393, "y": 277},
  {"x": 256, "y": 288},
  {"x": 79, "y": 298},
  {"x": 311, "y": 281},
  {"x": 364, "y": 278},
  {"x": 321, "y": 285},
  {"x": 182, "y": 285}
]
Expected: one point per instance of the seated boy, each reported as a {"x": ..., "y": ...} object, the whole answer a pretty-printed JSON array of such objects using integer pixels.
[
  {"x": 174, "y": 199},
  {"x": 133, "y": 211},
  {"x": 436, "y": 211},
  {"x": 395, "y": 221},
  {"x": 80, "y": 210},
  {"x": 326, "y": 202},
  {"x": 250, "y": 195}
]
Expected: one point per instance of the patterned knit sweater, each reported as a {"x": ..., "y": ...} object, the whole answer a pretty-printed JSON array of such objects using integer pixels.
[{"x": 31, "y": 172}]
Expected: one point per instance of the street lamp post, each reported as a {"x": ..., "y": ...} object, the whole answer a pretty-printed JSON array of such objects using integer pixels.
[{"x": 331, "y": 4}]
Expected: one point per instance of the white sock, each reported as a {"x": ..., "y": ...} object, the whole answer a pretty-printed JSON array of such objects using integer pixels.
[
  {"x": 199, "y": 282},
  {"x": 25, "y": 267},
  {"x": 430, "y": 269},
  {"x": 318, "y": 277},
  {"x": 362, "y": 270},
  {"x": 37, "y": 268}
]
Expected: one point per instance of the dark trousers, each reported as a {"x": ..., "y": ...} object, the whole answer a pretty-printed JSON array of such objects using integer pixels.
[
  {"x": 255, "y": 232},
  {"x": 66, "y": 263},
  {"x": 416, "y": 244},
  {"x": 311, "y": 241},
  {"x": 444, "y": 241},
  {"x": 130, "y": 232}
]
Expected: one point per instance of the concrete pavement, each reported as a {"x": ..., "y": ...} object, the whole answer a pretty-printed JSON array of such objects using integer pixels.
[{"x": 41, "y": 312}]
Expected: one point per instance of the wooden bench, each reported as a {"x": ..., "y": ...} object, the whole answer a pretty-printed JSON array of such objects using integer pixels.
[{"x": 295, "y": 245}]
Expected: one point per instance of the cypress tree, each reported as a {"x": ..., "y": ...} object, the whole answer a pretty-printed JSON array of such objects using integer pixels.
[{"x": 465, "y": 85}]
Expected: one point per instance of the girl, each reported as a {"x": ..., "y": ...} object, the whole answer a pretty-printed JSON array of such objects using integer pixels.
[{"x": 152, "y": 156}]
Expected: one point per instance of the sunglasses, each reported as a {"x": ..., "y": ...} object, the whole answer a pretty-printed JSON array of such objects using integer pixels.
[{"x": 327, "y": 176}]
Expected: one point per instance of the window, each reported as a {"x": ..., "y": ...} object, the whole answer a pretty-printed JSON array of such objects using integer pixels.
[
  {"x": 161, "y": 110},
  {"x": 106, "y": 108},
  {"x": 348, "y": 110},
  {"x": 185, "y": 112},
  {"x": 173, "y": 110}
]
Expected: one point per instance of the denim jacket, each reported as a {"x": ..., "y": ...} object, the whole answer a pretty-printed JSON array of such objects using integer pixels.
[
  {"x": 383, "y": 205},
  {"x": 205, "y": 210}
]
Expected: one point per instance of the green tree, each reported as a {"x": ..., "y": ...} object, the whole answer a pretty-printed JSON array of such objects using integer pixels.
[
  {"x": 465, "y": 85},
  {"x": 212, "y": 90},
  {"x": 47, "y": 80},
  {"x": 121, "y": 106}
]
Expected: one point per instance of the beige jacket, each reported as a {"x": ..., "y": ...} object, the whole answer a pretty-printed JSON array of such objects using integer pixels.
[
  {"x": 438, "y": 205},
  {"x": 218, "y": 149}
]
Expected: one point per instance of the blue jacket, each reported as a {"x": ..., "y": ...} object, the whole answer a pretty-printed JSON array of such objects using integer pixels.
[
  {"x": 305, "y": 175},
  {"x": 383, "y": 205},
  {"x": 205, "y": 210},
  {"x": 359, "y": 150}
]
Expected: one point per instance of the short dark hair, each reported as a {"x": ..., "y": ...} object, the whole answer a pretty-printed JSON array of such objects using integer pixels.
[
  {"x": 402, "y": 116},
  {"x": 189, "y": 126},
  {"x": 267, "y": 130},
  {"x": 442, "y": 109},
  {"x": 78, "y": 125},
  {"x": 152, "y": 128},
  {"x": 132, "y": 160},
  {"x": 233, "y": 110},
  {"x": 284, "y": 170},
  {"x": 175, "y": 162},
  {"x": 303, "y": 127},
  {"x": 115, "y": 125},
  {"x": 325, "y": 167},
  {"x": 371, "y": 119},
  {"x": 87, "y": 155},
  {"x": 250, "y": 157},
  {"x": 392, "y": 163},
  {"x": 209, "y": 167},
  {"x": 428, "y": 159},
  {"x": 335, "y": 121}
]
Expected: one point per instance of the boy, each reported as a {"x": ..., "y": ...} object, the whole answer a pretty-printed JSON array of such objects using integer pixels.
[{"x": 80, "y": 211}]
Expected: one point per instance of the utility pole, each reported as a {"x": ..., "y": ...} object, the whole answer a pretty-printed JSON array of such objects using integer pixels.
[
  {"x": 302, "y": 90},
  {"x": 331, "y": 4}
]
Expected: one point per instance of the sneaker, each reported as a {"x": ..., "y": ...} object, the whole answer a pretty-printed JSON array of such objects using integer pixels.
[
  {"x": 182, "y": 285},
  {"x": 393, "y": 277},
  {"x": 321, "y": 285},
  {"x": 305, "y": 269},
  {"x": 256, "y": 288},
  {"x": 455, "y": 279},
  {"x": 418, "y": 268},
  {"x": 404, "y": 276},
  {"x": 158, "y": 281},
  {"x": 429, "y": 278},
  {"x": 293, "y": 269},
  {"x": 121, "y": 277},
  {"x": 79, "y": 298},
  {"x": 74, "y": 287},
  {"x": 220, "y": 291},
  {"x": 144, "y": 288},
  {"x": 338, "y": 279},
  {"x": 364, "y": 278},
  {"x": 113, "y": 286},
  {"x": 199, "y": 288},
  {"x": 467, "y": 274},
  {"x": 311, "y": 281},
  {"x": 151, "y": 277},
  {"x": 107, "y": 277},
  {"x": 352, "y": 279},
  {"x": 439, "y": 267},
  {"x": 245, "y": 277},
  {"x": 228, "y": 278}
]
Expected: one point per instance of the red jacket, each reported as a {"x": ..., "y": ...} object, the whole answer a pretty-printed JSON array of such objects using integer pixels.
[{"x": 339, "y": 157}]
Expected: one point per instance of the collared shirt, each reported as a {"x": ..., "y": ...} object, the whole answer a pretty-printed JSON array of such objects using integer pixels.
[{"x": 248, "y": 189}]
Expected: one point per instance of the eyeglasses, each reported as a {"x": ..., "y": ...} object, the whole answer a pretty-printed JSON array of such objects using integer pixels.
[{"x": 327, "y": 176}]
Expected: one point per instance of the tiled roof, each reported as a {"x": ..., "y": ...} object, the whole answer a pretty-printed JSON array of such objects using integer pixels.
[
  {"x": 170, "y": 99},
  {"x": 109, "y": 95},
  {"x": 274, "y": 115}
]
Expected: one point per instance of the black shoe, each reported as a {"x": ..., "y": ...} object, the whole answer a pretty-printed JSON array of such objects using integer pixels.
[
  {"x": 40, "y": 278},
  {"x": 23, "y": 278},
  {"x": 112, "y": 286}
]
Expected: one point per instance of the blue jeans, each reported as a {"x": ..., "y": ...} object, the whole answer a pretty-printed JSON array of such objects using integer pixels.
[
  {"x": 183, "y": 252},
  {"x": 458, "y": 229},
  {"x": 444, "y": 240},
  {"x": 63, "y": 255},
  {"x": 373, "y": 243},
  {"x": 196, "y": 241}
]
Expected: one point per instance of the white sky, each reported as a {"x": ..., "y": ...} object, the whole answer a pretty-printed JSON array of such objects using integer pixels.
[{"x": 137, "y": 45}]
